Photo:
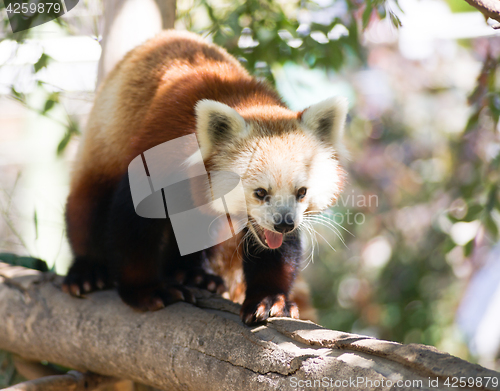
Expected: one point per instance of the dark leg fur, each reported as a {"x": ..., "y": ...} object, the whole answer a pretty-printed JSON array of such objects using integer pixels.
[
  {"x": 86, "y": 232},
  {"x": 146, "y": 259},
  {"x": 269, "y": 275},
  {"x": 139, "y": 254},
  {"x": 192, "y": 269},
  {"x": 136, "y": 250},
  {"x": 86, "y": 276}
]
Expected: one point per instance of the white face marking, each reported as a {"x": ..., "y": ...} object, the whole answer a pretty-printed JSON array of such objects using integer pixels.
[
  {"x": 279, "y": 156},
  {"x": 281, "y": 166}
]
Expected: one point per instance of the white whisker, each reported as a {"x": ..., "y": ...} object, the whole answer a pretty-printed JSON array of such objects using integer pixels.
[
  {"x": 331, "y": 227},
  {"x": 307, "y": 228},
  {"x": 332, "y": 220}
]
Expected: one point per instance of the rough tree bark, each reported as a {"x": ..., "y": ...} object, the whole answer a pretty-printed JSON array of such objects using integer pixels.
[{"x": 184, "y": 347}]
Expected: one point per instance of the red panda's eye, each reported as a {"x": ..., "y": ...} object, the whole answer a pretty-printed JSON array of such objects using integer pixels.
[
  {"x": 301, "y": 193},
  {"x": 260, "y": 193}
]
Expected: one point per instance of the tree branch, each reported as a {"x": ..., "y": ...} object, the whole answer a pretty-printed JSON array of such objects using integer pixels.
[
  {"x": 205, "y": 347},
  {"x": 71, "y": 381},
  {"x": 489, "y": 8}
]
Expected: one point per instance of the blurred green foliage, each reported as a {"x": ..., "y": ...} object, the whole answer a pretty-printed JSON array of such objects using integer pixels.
[
  {"x": 460, "y": 6},
  {"x": 481, "y": 192},
  {"x": 262, "y": 33},
  {"x": 413, "y": 297},
  {"x": 52, "y": 93}
]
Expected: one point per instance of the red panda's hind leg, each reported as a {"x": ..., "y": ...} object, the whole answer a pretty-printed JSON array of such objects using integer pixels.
[
  {"x": 153, "y": 297},
  {"x": 140, "y": 253},
  {"x": 200, "y": 278},
  {"x": 193, "y": 270},
  {"x": 86, "y": 221},
  {"x": 86, "y": 276}
]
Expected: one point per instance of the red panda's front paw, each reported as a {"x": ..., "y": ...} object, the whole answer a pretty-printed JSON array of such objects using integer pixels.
[
  {"x": 153, "y": 298},
  {"x": 256, "y": 310},
  {"x": 199, "y": 278}
]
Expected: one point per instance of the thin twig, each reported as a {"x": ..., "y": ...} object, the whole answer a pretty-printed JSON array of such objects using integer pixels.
[{"x": 489, "y": 8}]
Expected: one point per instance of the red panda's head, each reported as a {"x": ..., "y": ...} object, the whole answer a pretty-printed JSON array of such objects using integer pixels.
[{"x": 288, "y": 162}]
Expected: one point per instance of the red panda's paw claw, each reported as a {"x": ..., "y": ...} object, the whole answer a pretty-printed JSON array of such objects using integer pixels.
[
  {"x": 255, "y": 311},
  {"x": 85, "y": 277},
  {"x": 153, "y": 298},
  {"x": 199, "y": 278},
  {"x": 72, "y": 289}
]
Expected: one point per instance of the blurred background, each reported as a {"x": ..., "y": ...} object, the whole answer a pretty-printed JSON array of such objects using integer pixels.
[{"x": 411, "y": 251}]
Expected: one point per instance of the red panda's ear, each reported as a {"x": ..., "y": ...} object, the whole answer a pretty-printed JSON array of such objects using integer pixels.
[
  {"x": 216, "y": 123},
  {"x": 327, "y": 119}
]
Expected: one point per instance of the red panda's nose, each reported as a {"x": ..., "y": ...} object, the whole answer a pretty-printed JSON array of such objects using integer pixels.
[
  {"x": 284, "y": 227},
  {"x": 283, "y": 222}
]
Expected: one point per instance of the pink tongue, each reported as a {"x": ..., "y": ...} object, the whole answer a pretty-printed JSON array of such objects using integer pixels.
[{"x": 274, "y": 239}]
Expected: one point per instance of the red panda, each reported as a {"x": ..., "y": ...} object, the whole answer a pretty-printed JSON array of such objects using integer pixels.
[{"x": 174, "y": 85}]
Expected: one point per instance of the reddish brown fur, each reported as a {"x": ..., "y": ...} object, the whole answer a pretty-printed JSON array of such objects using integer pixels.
[{"x": 148, "y": 99}]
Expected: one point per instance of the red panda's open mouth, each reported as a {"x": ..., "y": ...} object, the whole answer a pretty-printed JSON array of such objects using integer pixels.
[
  {"x": 267, "y": 238},
  {"x": 273, "y": 239}
]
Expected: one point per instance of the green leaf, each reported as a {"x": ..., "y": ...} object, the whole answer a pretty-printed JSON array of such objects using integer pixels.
[
  {"x": 17, "y": 95},
  {"x": 48, "y": 105},
  {"x": 468, "y": 248},
  {"x": 472, "y": 122},
  {"x": 473, "y": 213},
  {"x": 29, "y": 262},
  {"x": 71, "y": 129},
  {"x": 494, "y": 104},
  {"x": 495, "y": 163},
  {"x": 491, "y": 225},
  {"x": 367, "y": 13},
  {"x": 448, "y": 245},
  {"x": 395, "y": 20},
  {"x": 52, "y": 99},
  {"x": 42, "y": 62},
  {"x": 35, "y": 220},
  {"x": 492, "y": 195},
  {"x": 398, "y": 5},
  {"x": 63, "y": 143}
]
